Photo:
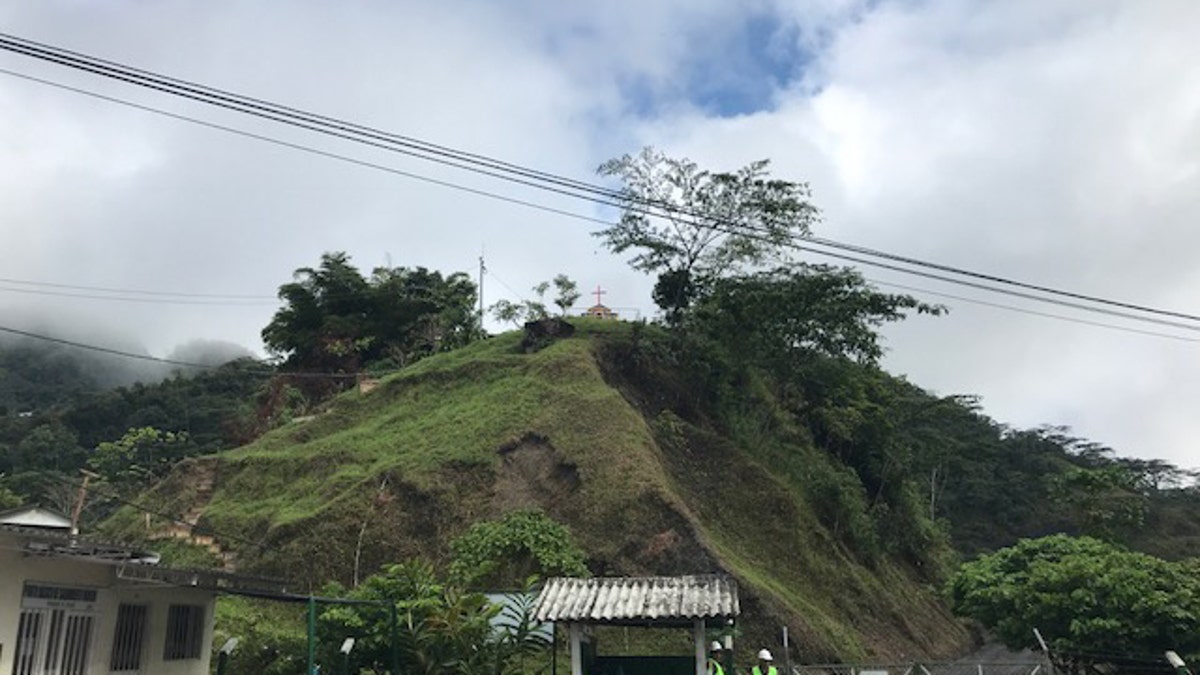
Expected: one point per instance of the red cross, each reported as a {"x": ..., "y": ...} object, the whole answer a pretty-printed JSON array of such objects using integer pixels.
[{"x": 598, "y": 292}]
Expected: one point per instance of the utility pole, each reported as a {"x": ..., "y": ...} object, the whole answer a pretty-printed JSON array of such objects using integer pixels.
[
  {"x": 82, "y": 495},
  {"x": 482, "y": 269}
]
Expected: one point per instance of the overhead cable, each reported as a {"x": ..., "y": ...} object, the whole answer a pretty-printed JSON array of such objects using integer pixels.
[{"x": 494, "y": 168}]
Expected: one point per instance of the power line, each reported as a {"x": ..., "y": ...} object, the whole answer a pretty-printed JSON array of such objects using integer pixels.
[
  {"x": 528, "y": 204},
  {"x": 143, "y": 300},
  {"x": 203, "y": 529},
  {"x": 468, "y": 161},
  {"x": 308, "y": 122},
  {"x": 147, "y": 78},
  {"x": 1004, "y": 291},
  {"x": 267, "y": 372},
  {"x": 1033, "y": 312},
  {"x": 103, "y": 350},
  {"x": 307, "y": 149},
  {"x": 134, "y": 291}
]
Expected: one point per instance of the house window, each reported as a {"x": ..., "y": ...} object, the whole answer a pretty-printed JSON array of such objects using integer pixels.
[
  {"x": 127, "y": 638},
  {"x": 185, "y": 629}
]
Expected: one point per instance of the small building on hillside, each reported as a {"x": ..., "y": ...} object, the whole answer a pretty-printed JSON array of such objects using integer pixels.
[
  {"x": 693, "y": 602},
  {"x": 599, "y": 310},
  {"x": 76, "y": 606}
]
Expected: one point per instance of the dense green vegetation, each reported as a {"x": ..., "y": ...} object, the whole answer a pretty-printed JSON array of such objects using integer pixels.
[
  {"x": 1097, "y": 603},
  {"x": 335, "y": 320},
  {"x": 41, "y": 454},
  {"x": 409, "y": 615},
  {"x": 751, "y": 432}
]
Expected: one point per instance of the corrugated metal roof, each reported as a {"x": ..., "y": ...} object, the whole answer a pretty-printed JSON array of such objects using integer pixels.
[
  {"x": 35, "y": 516},
  {"x": 637, "y": 599}
]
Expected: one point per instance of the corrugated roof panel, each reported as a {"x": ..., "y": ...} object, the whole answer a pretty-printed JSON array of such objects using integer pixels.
[{"x": 610, "y": 599}]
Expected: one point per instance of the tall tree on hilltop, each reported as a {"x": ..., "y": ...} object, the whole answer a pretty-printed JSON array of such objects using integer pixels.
[
  {"x": 706, "y": 225},
  {"x": 334, "y": 319}
]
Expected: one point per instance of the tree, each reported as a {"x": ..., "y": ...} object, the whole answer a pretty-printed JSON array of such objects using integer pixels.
[
  {"x": 1103, "y": 501},
  {"x": 517, "y": 313},
  {"x": 1087, "y": 597},
  {"x": 691, "y": 226},
  {"x": 794, "y": 312},
  {"x": 334, "y": 319},
  {"x": 566, "y": 293},
  {"x": 504, "y": 552},
  {"x": 142, "y": 455}
]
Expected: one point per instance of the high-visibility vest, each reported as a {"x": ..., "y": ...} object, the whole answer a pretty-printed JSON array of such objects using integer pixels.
[
  {"x": 771, "y": 670},
  {"x": 714, "y": 667}
]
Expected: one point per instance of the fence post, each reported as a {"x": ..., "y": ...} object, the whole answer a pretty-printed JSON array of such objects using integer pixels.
[
  {"x": 312, "y": 635},
  {"x": 787, "y": 653},
  {"x": 394, "y": 640}
]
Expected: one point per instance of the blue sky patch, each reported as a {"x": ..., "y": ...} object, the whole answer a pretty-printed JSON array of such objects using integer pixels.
[{"x": 733, "y": 71}]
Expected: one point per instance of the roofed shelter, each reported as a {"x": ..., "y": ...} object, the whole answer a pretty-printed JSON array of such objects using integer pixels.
[{"x": 693, "y": 601}]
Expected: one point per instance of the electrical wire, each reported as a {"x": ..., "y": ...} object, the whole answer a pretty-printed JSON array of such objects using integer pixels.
[
  {"x": 743, "y": 231},
  {"x": 1022, "y": 310},
  {"x": 143, "y": 300},
  {"x": 134, "y": 291},
  {"x": 203, "y": 529},
  {"x": 469, "y": 161},
  {"x": 307, "y": 149},
  {"x": 541, "y": 207},
  {"x": 40, "y": 50},
  {"x": 341, "y": 131},
  {"x": 266, "y": 372}
]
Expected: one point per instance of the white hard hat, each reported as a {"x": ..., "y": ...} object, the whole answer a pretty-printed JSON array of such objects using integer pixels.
[
  {"x": 715, "y": 646},
  {"x": 765, "y": 655}
]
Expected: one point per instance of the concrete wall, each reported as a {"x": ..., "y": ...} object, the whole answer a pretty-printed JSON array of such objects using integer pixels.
[{"x": 16, "y": 568}]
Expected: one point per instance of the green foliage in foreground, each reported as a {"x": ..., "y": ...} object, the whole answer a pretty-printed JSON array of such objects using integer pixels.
[
  {"x": 8, "y": 499},
  {"x": 408, "y": 617},
  {"x": 1088, "y": 598}
]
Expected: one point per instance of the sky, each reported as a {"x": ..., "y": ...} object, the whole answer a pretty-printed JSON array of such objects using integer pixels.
[{"x": 1053, "y": 142}]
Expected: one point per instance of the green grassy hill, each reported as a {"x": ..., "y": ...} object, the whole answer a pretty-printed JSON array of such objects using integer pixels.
[{"x": 646, "y": 483}]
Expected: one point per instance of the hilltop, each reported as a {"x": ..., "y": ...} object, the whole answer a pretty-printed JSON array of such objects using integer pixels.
[{"x": 646, "y": 482}]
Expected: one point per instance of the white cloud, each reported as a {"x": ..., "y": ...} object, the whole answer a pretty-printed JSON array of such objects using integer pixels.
[
  {"x": 1048, "y": 142},
  {"x": 1055, "y": 142}
]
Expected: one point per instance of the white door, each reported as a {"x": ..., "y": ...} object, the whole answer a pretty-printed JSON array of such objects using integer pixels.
[{"x": 53, "y": 642}]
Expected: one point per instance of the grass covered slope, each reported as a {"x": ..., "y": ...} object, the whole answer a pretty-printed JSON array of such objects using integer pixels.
[{"x": 643, "y": 487}]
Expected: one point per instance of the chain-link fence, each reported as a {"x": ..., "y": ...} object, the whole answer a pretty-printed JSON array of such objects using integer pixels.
[{"x": 948, "y": 668}]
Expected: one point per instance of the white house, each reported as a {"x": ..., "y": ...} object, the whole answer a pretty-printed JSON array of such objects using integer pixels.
[{"x": 74, "y": 606}]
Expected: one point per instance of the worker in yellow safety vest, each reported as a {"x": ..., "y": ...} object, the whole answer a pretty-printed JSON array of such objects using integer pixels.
[
  {"x": 764, "y": 666},
  {"x": 714, "y": 659}
]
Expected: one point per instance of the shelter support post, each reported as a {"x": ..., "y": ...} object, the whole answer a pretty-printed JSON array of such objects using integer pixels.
[
  {"x": 575, "y": 633},
  {"x": 698, "y": 639}
]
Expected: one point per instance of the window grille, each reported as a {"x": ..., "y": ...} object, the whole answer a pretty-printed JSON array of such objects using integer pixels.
[
  {"x": 127, "y": 638},
  {"x": 185, "y": 628},
  {"x": 52, "y": 641}
]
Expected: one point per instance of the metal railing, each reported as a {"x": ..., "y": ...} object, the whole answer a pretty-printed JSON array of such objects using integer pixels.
[{"x": 945, "y": 668}]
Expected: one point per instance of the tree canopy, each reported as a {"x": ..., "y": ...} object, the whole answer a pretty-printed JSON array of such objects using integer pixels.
[
  {"x": 519, "y": 545},
  {"x": 805, "y": 309},
  {"x": 335, "y": 320},
  {"x": 690, "y": 226},
  {"x": 1091, "y": 600}
]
